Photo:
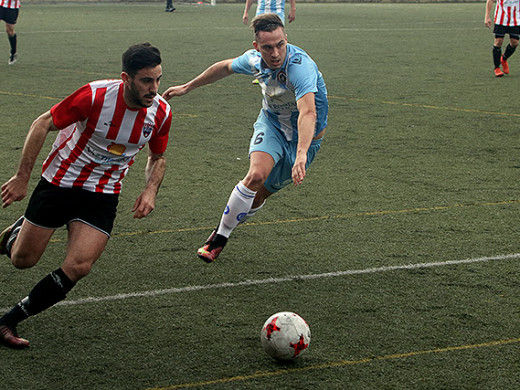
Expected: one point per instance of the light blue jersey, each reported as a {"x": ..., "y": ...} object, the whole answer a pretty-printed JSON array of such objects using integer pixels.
[
  {"x": 282, "y": 88},
  {"x": 271, "y": 6}
]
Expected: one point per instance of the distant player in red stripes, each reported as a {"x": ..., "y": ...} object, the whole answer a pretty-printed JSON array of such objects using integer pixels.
[
  {"x": 9, "y": 13},
  {"x": 102, "y": 126},
  {"x": 506, "y": 21}
]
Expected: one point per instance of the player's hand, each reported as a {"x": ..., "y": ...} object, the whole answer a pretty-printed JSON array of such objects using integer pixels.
[
  {"x": 245, "y": 19},
  {"x": 144, "y": 205},
  {"x": 298, "y": 170},
  {"x": 292, "y": 16},
  {"x": 177, "y": 90},
  {"x": 14, "y": 190},
  {"x": 488, "y": 23}
]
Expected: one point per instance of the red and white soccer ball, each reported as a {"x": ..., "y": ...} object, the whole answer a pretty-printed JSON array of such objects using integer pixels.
[{"x": 285, "y": 336}]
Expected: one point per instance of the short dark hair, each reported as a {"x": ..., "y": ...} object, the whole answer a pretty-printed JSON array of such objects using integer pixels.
[
  {"x": 139, "y": 56},
  {"x": 266, "y": 22}
]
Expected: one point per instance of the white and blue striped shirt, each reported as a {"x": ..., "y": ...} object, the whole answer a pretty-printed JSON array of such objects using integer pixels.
[
  {"x": 271, "y": 6},
  {"x": 283, "y": 87}
]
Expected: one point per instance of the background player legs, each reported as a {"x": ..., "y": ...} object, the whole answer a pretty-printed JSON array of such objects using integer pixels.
[
  {"x": 500, "y": 59},
  {"x": 497, "y": 54},
  {"x": 169, "y": 6},
  {"x": 11, "y": 35},
  {"x": 510, "y": 49}
]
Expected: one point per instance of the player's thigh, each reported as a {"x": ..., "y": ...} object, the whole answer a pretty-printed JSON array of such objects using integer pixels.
[
  {"x": 266, "y": 138},
  {"x": 30, "y": 244},
  {"x": 10, "y": 16},
  {"x": 500, "y": 32},
  {"x": 260, "y": 166},
  {"x": 514, "y": 35},
  {"x": 85, "y": 245}
]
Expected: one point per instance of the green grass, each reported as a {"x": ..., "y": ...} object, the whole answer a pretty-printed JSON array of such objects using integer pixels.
[{"x": 420, "y": 165}]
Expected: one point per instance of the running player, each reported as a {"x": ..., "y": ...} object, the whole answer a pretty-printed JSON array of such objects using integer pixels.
[
  {"x": 506, "y": 21},
  {"x": 9, "y": 10},
  {"x": 102, "y": 126},
  {"x": 287, "y": 133}
]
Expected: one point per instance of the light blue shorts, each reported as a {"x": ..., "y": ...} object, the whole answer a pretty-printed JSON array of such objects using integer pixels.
[{"x": 266, "y": 138}]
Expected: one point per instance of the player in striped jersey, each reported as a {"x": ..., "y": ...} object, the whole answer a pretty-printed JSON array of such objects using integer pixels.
[
  {"x": 288, "y": 132},
  {"x": 270, "y": 6},
  {"x": 506, "y": 21},
  {"x": 9, "y": 13},
  {"x": 102, "y": 126}
]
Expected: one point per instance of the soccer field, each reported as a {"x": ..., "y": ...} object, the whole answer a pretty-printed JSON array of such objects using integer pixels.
[{"x": 400, "y": 249}]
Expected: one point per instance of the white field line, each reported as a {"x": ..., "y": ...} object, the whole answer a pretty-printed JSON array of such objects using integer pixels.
[{"x": 247, "y": 283}]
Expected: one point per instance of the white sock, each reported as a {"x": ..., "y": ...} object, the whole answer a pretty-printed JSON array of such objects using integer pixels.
[
  {"x": 252, "y": 213},
  {"x": 239, "y": 204}
]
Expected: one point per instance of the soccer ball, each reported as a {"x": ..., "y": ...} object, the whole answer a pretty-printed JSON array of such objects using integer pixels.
[{"x": 285, "y": 336}]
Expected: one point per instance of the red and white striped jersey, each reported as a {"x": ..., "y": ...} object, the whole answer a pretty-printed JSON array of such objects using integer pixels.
[
  {"x": 100, "y": 137},
  {"x": 10, "y": 3},
  {"x": 507, "y": 12}
]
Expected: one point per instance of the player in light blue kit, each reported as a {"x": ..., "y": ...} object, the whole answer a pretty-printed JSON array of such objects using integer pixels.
[
  {"x": 288, "y": 131},
  {"x": 270, "y": 6}
]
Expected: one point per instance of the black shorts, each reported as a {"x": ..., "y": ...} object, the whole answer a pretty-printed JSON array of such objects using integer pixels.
[
  {"x": 51, "y": 207},
  {"x": 9, "y": 15},
  {"x": 500, "y": 31}
]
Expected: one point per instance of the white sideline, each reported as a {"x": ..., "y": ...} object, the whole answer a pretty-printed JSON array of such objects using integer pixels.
[{"x": 246, "y": 283}]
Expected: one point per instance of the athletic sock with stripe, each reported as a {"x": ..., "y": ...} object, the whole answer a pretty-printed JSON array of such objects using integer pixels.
[{"x": 239, "y": 204}]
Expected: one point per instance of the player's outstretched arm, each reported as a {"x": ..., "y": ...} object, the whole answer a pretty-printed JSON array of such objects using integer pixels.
[
  {"x": 15, "y": 189},
  {"x": 177, "y": 90},
  {"x": 215, "y": 72}
]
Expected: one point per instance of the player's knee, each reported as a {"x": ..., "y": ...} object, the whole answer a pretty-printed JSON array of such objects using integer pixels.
[
  {"x": 9, "y": 29},
  {"x": 254, "y": 180},
  {"x": 22, "y": 261}
]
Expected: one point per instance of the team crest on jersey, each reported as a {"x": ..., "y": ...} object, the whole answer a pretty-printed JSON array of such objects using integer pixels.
[
  {"x": 282, "y": 77},
  {"x": 147, "y": 129}
]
